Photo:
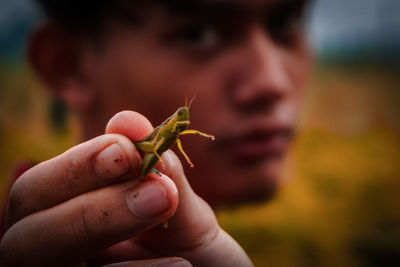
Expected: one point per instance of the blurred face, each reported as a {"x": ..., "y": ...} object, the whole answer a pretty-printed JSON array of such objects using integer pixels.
[{"x": 248, "y": 63}]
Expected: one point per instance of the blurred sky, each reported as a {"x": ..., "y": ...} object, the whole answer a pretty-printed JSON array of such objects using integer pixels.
[
  {"x": 335, "y": 25},
  {"x": 342, "y": 23}
]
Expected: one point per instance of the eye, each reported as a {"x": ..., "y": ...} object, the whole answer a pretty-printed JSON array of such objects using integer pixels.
[
  {"x": 198, "y": 34},
  {"x": 197, "y": 37},
  {"x": 286, "y": 25}
]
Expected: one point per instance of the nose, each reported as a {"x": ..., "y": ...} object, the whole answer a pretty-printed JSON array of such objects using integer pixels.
[{"x": 262, "y": 78}]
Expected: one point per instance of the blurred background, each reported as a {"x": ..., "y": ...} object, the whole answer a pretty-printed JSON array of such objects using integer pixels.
[{"x": 340, "y": 205}]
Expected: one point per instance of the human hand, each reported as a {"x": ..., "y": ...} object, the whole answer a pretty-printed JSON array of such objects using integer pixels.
[{"x": 85, "y": 207}]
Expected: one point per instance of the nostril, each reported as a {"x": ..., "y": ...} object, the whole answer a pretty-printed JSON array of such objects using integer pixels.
[{"x": 259, "y": 103}]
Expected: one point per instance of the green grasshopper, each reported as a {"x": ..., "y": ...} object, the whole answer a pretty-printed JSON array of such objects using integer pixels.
[{"x": 165, "y": 136}]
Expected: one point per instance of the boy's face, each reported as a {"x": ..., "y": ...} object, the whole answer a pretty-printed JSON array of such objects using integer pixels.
[{"x": 247, "y": 60}]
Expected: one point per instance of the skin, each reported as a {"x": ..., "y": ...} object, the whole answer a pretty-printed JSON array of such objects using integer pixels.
[
  {"x": 252, "y": 70},
  {"x": 250, "y": 78}
]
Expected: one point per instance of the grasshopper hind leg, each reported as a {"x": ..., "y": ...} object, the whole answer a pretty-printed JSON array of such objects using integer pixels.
[
  {"x": 179, "y": 143},
  {"x": 199, "y": 133}
]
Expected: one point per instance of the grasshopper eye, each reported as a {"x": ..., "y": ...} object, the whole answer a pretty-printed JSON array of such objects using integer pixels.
[{"x": 181, "y": 111}]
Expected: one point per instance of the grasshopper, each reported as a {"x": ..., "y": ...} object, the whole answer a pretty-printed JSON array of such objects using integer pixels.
[{"x": 165, "y": 136}]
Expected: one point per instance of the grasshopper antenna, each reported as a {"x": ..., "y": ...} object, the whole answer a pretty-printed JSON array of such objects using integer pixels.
[
  {"x": 186, "y": 98},
  {"x": 191, "y": 100}
]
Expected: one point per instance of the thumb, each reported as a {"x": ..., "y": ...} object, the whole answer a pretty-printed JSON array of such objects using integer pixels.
[
  {"x": 194, "y": 223},
  {"x": 162, "y": 262},
  {"x": 193, "y": 231}
]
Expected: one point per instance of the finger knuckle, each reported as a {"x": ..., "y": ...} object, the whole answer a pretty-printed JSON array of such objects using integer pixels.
[
  {"x": 74, "y": 170},
  {"x": 87, "y": 225},
  {"x": 81, "y": 227}
]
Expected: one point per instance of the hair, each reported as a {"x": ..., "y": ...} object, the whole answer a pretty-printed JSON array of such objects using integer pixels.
[
  {"x": 91, "y": 16},
  {"x": 80, "y": 16}
]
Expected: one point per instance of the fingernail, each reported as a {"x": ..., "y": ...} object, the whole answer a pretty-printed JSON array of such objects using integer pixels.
[
  {"x": 148, "y": 200},
  {"x": 178, "y": 263},
  {"x": 111, "y": 162}
]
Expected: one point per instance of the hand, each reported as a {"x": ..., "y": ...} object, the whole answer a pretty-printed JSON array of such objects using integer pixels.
[{"x": 86, "y": 206}]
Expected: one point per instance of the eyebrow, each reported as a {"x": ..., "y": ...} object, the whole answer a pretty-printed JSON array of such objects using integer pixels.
[
  {"x": 231, "y": 7},
  {"x": 192, "y": 5},
  {"x": 220, "y": 10}
]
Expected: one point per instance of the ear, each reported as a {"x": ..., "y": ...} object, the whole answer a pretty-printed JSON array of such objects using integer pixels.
[{"x": 56, "y": 56}]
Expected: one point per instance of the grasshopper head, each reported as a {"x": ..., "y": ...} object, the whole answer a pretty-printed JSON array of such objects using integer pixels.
[{"x": 182, "y": 115}]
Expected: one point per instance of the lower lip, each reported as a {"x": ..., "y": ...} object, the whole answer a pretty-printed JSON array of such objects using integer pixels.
[{"x": 255, "y": 150}]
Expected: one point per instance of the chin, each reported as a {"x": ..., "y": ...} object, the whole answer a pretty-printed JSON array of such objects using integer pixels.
[
  {"x": 259, "y": 188},
  {"x": 227, "y": 183},
  {"x": 256, "y": 185}
]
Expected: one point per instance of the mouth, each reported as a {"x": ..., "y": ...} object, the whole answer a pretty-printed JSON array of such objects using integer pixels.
[{"x": 257, "y": 144}]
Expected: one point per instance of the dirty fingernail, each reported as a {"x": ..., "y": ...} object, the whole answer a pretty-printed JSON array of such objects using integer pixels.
[
  {"x": 148, "y": 200},
  {"x": 178, "y": 263},
  {"x": 111, "y": 162}
]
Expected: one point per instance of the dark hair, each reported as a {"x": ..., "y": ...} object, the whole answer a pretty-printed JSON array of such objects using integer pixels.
[
  {"x": 73, "y": 14},
  {"x": 92, "y": 15}
]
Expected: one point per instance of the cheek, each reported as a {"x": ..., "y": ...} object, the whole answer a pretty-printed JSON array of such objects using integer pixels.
[
  {"x": 299, "y": 67},
  {"x": 210, "y": 110}
]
